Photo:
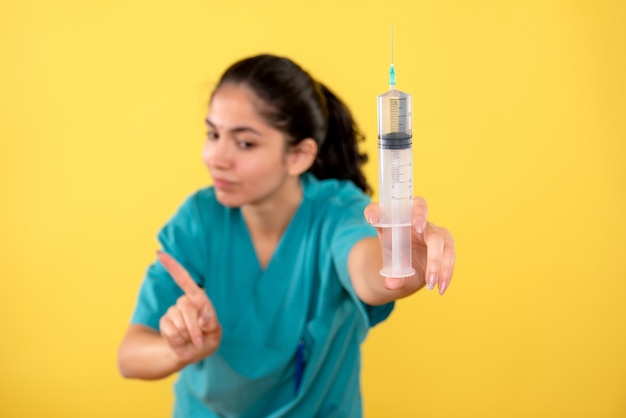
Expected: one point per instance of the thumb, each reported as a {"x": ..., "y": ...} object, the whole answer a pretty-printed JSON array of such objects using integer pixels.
[
  {"x": 372, "y": 213},
  {"x": 396, "y": 283},
  {"x": 207, "y": 320}
]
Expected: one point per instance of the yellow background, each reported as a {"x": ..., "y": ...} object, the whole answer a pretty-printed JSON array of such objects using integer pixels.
[{"x": 519, "y": 144}]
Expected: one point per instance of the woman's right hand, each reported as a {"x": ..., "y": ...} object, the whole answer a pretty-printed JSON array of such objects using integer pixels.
[{"x": 190, "y": 328}]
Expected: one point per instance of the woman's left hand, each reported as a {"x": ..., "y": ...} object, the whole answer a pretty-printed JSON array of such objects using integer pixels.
[{"x": 433, "y": 250}]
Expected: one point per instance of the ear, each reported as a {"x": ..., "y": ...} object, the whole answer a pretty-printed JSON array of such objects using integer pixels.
[{"x": 301, "y": 156}]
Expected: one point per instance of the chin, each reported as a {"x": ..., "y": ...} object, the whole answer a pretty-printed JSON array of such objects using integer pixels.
[{"x": 228, "y": 200}]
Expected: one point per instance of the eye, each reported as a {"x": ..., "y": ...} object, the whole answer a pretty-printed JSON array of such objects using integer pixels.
[
  {"x": 245, "y": 144},
  {"x": 211, "y": 135}
]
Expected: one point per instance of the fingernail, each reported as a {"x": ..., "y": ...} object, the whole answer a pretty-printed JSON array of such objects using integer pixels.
[
  {"x": 442, "y": 287},
  {"x": 204, "y": 322},
  {"x": 198, "y": 341},
  {"x": 431, "y": 280},
  {"x": 371, "y": 219},
  {"x": 420, "y": 225}
]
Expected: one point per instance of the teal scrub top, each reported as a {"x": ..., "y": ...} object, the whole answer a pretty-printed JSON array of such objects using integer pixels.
[{"x": 292, "y": 331}]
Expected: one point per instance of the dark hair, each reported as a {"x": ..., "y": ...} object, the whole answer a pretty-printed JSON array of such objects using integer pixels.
[{"x": 302, "y": 108}]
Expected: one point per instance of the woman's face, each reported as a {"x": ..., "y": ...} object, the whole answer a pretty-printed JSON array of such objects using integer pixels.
[{"x": 245, "y": 156}]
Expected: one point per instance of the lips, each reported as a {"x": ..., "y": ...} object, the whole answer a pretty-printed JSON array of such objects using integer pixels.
[{"x": 223, "y": 184}]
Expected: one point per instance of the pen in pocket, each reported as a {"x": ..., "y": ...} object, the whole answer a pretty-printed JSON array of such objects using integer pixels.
[{"x": 299, "y": 364}]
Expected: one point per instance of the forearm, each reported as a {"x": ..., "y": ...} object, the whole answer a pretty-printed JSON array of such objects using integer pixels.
[
  {"x": 144, "y": 354},
  {"x": 364, "y": 265}
]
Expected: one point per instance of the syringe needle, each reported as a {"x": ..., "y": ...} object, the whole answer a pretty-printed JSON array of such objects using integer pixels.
[
  {"x": 392, "y": 70},
  {"x": 392, "y": 44}
]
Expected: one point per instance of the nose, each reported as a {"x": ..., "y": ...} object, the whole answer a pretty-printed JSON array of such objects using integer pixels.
[{"x": 216, "y": 153}]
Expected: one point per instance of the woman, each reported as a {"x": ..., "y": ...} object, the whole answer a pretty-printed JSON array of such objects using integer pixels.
[{"x": 269, "y": 280}]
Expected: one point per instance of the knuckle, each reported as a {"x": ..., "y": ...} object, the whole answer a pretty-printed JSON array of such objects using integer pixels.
[
  {"x": 163, "y": 324},
  {"x": 167, "y": 330},
  {"x": 419, "y": 201},
  {"x": 436, "y": 242},
  {"x": 171, "y": 314},
  {"x": 182, "y": 302},
  {"x": 450, "y": 253}
]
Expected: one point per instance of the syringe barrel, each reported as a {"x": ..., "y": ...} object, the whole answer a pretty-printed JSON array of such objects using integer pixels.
[{"x": 395, "y": 180}]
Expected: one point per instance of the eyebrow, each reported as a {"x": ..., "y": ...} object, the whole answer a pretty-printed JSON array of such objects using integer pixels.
[{"x": 236, "y": 129}]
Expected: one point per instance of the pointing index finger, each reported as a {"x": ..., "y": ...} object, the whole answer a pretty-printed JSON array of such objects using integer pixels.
[{"x": 181, "y": 277}]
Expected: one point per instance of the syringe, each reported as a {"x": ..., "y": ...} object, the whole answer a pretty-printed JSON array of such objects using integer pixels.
[{"x": 395, "y": 178}]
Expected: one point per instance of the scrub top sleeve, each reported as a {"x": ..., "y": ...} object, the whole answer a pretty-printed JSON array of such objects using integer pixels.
[
  {"x": 181, "y": 238},
  {"x": 348, "y": 233}
]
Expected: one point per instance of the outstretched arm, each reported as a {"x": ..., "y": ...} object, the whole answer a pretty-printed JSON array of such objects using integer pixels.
[{"x": 433, "y": 258}]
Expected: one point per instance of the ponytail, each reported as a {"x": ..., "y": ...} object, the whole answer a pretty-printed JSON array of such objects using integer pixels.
[{"x": 338, "y": 156}]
